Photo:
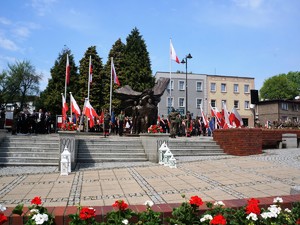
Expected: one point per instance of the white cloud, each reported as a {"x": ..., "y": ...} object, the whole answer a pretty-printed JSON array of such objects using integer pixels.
[
  {"x": 42, "y": 7},
  {"x": 8, "y": 44},
  {"x": 5, "y": 21},
  {"x": 252, "y": 4}
]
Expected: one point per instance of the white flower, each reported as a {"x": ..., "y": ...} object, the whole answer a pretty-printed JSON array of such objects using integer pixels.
[
  {"x": 266, "y": 215},
  {"x": 252, "y": 216},
  {"x": 40, "y": 218},
  {"x": 274, "y": 209},
  {"x": 278, "y": 200},
  {"x": 219, "y": 203},
  {"x": 149, "y": 203},
  {"x": 206, "y": 217},
  {"x": 2, "y": 208},
  {"x": 287, "y": 210},
  {"x": 125, "y": 221},
  {"x": 34, "y": 211}
]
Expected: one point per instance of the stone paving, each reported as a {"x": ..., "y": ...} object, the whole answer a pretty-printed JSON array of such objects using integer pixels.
[{"x": 272, "y": 173}]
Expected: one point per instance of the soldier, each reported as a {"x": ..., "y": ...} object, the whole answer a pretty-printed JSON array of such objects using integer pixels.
[{"x": 173, "y": 123}]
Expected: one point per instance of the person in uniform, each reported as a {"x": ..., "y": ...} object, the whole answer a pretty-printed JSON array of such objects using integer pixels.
[{"x": 173, "y": 122}]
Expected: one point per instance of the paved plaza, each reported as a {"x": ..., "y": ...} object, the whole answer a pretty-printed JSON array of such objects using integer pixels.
[{"x": 272, "y": 173}]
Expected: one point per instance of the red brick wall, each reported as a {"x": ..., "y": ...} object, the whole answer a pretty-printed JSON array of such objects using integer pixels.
[
  {"x": 250, "y": 141},
  {"x": 239, "y": 141}
]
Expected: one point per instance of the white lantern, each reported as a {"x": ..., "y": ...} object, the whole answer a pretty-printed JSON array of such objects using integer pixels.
[
  {"x": 167, "y": 157},
  {"x": 172, "y": 162},
  {"x": 162, "y": 150},
  {"x": 65, "y": 161}
]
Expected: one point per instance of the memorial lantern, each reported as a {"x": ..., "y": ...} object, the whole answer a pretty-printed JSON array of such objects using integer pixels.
[
  {"x": 161, "y": 151},
  {"x": 65, "y": 163},
  {"x": 167, "y": 157},
  {"x": 172, "y": 162}
]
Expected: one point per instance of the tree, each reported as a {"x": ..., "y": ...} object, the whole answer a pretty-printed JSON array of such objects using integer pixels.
[
  {"x": 22, "y": 81},
  {"x": 51, "y": 97},
  {"x": 138, "y": 65},
  {"x": 3, "y": 88},
  {"x": 117, "y": 53},
  {"x": 96, "y": 86},
  {"x": 279, "y": 87}
]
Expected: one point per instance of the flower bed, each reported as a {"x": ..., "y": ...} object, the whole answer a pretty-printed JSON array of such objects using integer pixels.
[{"x": 191, "y": 211}]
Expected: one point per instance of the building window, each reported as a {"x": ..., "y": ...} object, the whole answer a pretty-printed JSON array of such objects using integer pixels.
[
  {"x": 247, "y": 105},
  {"x": 213, "y": 103},
  {"x": 199, "y": 103},
  {"x": 236, "y": 104},
  {"x": 199, "y": 86},
  {"x": 171, "y": 83},
  {"x": 295, "y": 107},
  {"x": 213, "y": 87},
  {"x": 284, "y": 106},
  {"x": 223, "y": 87},
  {"x": 181, "y": 85},
  {"x": 170, "y": 102},
  {"x": 181, "y": 102},
  {"x": 236, "y": 88},
  {"x": 246, "y": 88}
]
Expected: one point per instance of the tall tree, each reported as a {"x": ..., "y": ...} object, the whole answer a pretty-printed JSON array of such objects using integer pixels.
[
  {"x": 51, "y": 97},
  {"x": 22, "y": 81},
  {"x": 279, "y": 87},
  {"x": 117, "y": 52},
  {"x": 3, "y": 88},
  {"x": 96, "y": 86},
  {"x": 138, "y": 65}
]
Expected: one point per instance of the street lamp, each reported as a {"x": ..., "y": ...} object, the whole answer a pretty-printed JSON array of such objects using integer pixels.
[{"x": 189, "y": 56}]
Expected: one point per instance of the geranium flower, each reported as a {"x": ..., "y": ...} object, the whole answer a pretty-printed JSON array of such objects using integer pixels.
[
  {"x": 86, "y": 213},
  {"x": 278, "y": 200},
  {"x": 120, "y": 204},
  {"x": 2, "y": 208},
  {"x": 40, "y": 218},
  {"x": 148, "y": 203},
  {"x": 36, "y": 201},
  {"x": 252, "y": 206},
  {"x": 218, "y": 219},
  {"x": 219, "y": 203},
  {"x": 125, "y": 221},
  {"x": 252, "y": 216},
  {"x": 206, "y": 217},
  {"x": 3, "y": 218},
  {"x": 195, "y": 200},
  {"x": 298, "y": 221}
]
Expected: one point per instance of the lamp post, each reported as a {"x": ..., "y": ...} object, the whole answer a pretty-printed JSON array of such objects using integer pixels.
[{"x": 184, "y": 61}]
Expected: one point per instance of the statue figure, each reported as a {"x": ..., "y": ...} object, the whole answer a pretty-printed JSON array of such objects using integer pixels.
[{"x": 142, "y": 106}]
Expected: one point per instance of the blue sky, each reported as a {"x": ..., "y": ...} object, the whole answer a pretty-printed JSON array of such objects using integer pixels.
[{"x": 252, "y": 38}]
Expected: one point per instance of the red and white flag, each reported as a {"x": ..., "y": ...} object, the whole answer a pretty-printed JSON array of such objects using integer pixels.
[
  {"x": 90, "y": 70},
  {"x": 204, "y": 119},
  {"x": 226, "y": 122},
  {"x": 75, "y": 107},
  {"x": 236, "y": 118},
  {"x": 90, "y": 112},
  {"x": 173, "y": 53},
  {"x": 65, "y": 109},
  {"x": 67, "y": 70},
  {"x": 215, "y": 113},
  {"x": 114, "y": 74}
]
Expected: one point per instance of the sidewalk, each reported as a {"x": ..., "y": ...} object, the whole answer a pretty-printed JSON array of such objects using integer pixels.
[{"x": 211, "y": 178}]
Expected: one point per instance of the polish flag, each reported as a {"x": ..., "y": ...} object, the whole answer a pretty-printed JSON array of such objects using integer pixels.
[
  {"x": 236, "y": 118},
  {"x": 90, "y": 112},
  {"x": 173, "y": 53},
  {"x": 90, "y": 70},
  {"x": 75, "y": 107},
  {"x": 215, "y": 113},
  {"x": 204, "y": 119},
  {"x": 114, "y": 74},
  {"x": 68, "y": 70},
  {"x": 65, "y": 109},
  {"x": 226, "y": 122},
  {"x": 101, "y": 117}
]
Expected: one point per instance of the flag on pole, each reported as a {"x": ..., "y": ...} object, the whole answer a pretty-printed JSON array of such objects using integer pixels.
[
  {"x": 65, "y": 109},
  {"x": 68, "y": 70},
  {"x": 236, "y": 118},
  {"x": 225, "y": 121},
  {"x": 218, "y": 116},
  {"x": 75, "y": 107},
  {"x": 90, "y": 112},
  {"x": 204, "y": 119},
  {"x": 90, "y": 70},
  {"x": 114, "y": 74},
  {"x": 173, "y": 53}
]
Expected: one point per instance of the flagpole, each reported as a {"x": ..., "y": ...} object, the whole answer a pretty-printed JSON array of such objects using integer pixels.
[
  {"x": 89, "y": 77},
  {"x": 110, "y": 97},
  {"x": 66, "y": 78},
  {"x": 170, "y": 83}
]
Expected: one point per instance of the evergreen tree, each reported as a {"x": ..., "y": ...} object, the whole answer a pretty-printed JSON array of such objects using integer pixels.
[
  {"x": 96, "y": 86},
  {"x": 51, "y": 97},
  {"x": 117, "y": 52},
  {"x": 138, "y": 66}
]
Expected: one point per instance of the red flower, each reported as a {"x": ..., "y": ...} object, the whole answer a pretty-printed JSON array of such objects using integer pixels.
[
  {"x": 252, "y": 206},
  {"x": 36, "y": 201},
  {"x": 195, "y": 200},
  {"x": 86, "y": 213},
  {"x": 298, "y": 221},
  {"x": 120, "y": 204},
  {"x": 3, "y": 218},
  {"x": 218, "y": 219}
]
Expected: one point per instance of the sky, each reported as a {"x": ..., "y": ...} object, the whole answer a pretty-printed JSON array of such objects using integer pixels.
[{"x": 245, "y": 38}]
